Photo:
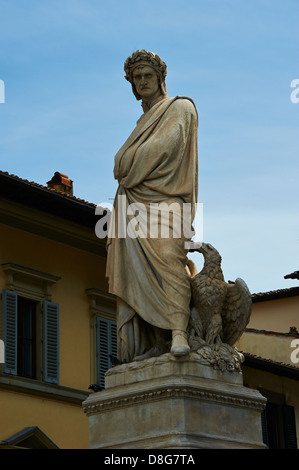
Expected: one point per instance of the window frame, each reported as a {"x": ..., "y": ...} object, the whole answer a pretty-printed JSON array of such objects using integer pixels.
[
  {"x": 47, "y": 368},
  {"x": 33, "y": 285}
]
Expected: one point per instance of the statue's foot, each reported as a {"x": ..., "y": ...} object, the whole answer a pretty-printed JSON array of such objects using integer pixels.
[{"x": 180, "y": 346}]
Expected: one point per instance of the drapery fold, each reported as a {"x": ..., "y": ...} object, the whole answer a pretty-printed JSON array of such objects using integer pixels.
[{"x": 156, "y": 167}]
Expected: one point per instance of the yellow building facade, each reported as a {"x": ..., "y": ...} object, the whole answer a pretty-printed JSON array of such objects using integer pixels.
[
  {"x": 54, "y": 297},
  {"x": 271, "y": 347},
  {"x": 273, "y": 328}
]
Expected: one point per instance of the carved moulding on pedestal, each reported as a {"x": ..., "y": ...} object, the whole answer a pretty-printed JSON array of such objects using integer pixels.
[{"x": 168, "y": 403}]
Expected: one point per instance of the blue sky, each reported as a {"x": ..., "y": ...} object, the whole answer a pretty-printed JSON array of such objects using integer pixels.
[{"x": 68, "y": 108}]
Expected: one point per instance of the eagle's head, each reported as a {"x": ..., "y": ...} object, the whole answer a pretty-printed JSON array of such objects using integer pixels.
[{"x": 208, "y": 251}]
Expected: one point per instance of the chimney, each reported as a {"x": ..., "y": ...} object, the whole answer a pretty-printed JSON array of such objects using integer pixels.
[{"x": 61, "y": 183}]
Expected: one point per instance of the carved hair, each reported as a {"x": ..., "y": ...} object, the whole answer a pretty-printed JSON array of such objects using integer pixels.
[{"x": 145, "y": 58}]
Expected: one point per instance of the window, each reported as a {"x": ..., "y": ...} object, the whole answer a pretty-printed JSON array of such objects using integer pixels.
[
  {"x": 21, "y": 335},
  {"x": 26, "y": 338},
  {"x": 278, "y": 423},
  {"x": 103, "y": 333},
  {"x": 30, "y": 324}
]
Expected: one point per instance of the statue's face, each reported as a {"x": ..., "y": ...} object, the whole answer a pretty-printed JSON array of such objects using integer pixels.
[{"x": 146, "y": 82}]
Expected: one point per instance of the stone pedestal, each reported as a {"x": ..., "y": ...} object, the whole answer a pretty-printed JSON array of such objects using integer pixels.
[{"x": 170, "y": 403}]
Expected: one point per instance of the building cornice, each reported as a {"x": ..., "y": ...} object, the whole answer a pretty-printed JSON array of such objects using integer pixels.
[
  {"x": 273, "y": 367},
  {"x": 49, "y": 213},
  {"x": 51, "y": 226}
]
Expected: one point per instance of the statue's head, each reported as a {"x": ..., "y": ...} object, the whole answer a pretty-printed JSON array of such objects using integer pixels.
[{"x": 143, "y": 59}]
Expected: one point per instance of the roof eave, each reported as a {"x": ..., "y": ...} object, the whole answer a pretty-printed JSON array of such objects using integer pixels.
[
  {"x": 267, "y": 365},
  {"x": 47, "y": 200}
]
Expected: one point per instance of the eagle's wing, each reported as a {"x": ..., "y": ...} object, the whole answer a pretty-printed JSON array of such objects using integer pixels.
[{"x": 236, "y": 311}]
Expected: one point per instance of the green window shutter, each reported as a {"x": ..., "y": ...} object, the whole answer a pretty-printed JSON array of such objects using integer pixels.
[
  {"x": 10, "y": 333},
  {"x": 289, "y": 427},
  {"x": 51, "y": 342},
  {"x": 106, "y": 344},
  {"x": 265, "y": 427}
]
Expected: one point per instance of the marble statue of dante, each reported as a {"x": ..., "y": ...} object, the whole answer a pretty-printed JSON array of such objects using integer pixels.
[{"x": 157, "y": 164}]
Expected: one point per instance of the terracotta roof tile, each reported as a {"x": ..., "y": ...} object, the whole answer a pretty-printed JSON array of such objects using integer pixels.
[
  {"x": 275, "y": 294},
  {"x": 270, "y": 362},
  {"x": 290, "y": 333}
]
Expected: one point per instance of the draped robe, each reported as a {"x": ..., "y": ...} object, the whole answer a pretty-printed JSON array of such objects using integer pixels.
[{"x": 157, "y": 164}]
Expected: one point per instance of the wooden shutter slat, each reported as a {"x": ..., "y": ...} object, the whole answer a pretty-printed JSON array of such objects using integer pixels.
[
  {"x": 10, "y": 330},
  {"x": 106, "y": 345},
  {"x": 290, "y": 427},
  {"x": 113, "y": 331},
  {"x": 51, "y": 342}
]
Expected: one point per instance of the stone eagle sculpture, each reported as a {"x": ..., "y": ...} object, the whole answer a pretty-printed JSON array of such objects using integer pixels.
[{"x": 220, "y": 311}]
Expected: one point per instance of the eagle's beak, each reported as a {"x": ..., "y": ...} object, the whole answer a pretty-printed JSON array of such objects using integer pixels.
[{"x": 197, "y": 246}]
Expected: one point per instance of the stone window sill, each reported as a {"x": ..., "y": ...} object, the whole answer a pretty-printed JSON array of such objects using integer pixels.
[{"x": 42, "y": 389}]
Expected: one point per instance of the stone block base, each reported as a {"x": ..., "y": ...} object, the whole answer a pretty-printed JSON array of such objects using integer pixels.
[{"x": 170, "y": 403}]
